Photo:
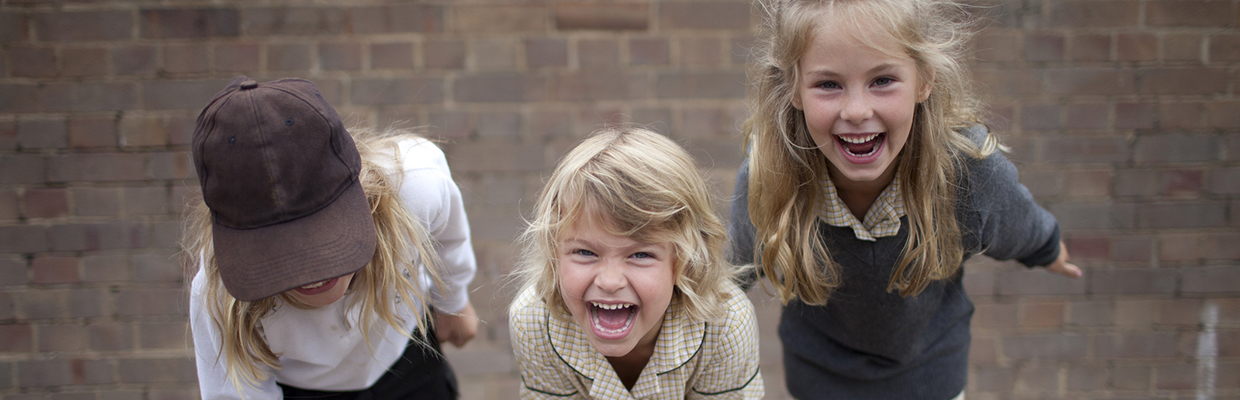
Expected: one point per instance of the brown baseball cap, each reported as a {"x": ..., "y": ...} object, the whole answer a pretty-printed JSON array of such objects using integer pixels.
[{"x": 280, "y": 175}]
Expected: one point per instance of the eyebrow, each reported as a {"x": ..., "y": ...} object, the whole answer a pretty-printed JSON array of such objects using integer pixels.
[
  {"x": 877, "y": 69},
  {"x": 635, "y": 246}
]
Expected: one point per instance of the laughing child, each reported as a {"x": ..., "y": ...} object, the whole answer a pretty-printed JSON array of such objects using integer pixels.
[{"x": 625, "y": 291}]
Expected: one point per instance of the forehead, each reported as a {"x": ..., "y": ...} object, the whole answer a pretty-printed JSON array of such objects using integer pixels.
[{"x": 835, "y": 31}]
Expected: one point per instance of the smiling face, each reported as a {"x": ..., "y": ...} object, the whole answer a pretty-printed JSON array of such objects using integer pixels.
[
  {"x": 617, "y": 289},
  {"x": 322, "y": 293},
  {"x": 858, "y": 102}
]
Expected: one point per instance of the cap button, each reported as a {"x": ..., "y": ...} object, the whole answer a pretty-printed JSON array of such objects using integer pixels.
[{"x": 250, "y": 84}]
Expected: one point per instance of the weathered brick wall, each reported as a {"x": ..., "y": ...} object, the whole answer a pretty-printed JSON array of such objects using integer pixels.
[{"x": 1123, "y": 115}]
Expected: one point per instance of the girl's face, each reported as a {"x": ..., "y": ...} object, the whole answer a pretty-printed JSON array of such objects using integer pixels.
[
  {"x": 322, "y": 293},
  {"x": 858, "y": 102},
  {"x": 617, "y": 289}
]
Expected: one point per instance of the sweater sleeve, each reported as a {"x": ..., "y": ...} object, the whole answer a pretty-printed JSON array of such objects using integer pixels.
[
  {"x": 213, "y": 382},
  {"x": 1013, "y": 225},
  {"x": 429, "y": 193},
  {"x": 741, "y": 229}
]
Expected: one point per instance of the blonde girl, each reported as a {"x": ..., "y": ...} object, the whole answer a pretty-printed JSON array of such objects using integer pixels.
[
  {"x": 626, "y": 293},
  {"x": 868, "y": 183},
  {"x": 319, "y": 252}
]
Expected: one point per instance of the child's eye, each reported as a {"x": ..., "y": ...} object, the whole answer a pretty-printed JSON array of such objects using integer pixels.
[
  {"x": 582, "y": 252},
  {"x": 828, "y": 85},
  {"x": 642, "y": 254},
  {"x": 884, "y": 81}
]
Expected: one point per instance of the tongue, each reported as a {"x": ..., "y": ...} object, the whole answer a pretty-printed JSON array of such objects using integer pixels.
[
  {"x": 861, "y": 148},
  {"x": 613, "y": 319}
]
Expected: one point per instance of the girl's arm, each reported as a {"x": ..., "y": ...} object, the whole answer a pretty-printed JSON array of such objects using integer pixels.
[
  {"x": 213, "y": 382},
  {"x": 1061, "y": 265},
  {"x": 430, "y": 194}
]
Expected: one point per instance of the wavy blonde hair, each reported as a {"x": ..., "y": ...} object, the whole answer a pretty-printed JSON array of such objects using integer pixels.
[
  {"x": 648, "y": 189},
  {"x": 786, "y": 166},
  {"x": 379, "y": 285}
]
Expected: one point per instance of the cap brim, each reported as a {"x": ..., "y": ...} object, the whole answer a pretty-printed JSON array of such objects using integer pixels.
[{"x": 336, "y": 240}]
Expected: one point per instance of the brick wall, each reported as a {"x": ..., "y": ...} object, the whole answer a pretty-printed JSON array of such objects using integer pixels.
[{"x": 1123, "y": 115}]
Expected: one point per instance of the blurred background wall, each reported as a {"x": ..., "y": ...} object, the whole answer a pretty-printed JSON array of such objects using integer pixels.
[{"x": 1123, "y": 115}]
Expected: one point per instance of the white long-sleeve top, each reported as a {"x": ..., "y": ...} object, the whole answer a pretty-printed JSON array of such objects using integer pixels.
[{"x": 322, "y": 349}]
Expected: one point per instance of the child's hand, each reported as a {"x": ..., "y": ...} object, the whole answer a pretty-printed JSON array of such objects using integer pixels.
[
  {"x": 457, "y": 328},
  {"x": 1061, "y": 265}
]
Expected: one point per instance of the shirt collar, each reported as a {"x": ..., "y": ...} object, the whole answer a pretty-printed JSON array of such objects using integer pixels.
[
  {"x": 680, "y": 338},
  {"x": 882, "y": 220}
]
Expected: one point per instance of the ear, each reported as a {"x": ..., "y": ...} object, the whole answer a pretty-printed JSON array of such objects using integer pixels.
[
  {"x": 923, "y": 93},
  {"x": 796, "y": 100}
]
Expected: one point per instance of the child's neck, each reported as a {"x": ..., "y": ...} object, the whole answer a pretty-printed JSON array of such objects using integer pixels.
[
  {"x": 629, "y": 366},
  {"x": 858, "y": 196}
]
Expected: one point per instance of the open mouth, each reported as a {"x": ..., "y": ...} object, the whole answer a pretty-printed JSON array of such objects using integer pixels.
[
  {"x": 318, "y": 287},
  {"x": 861, "y": 145},
  {"x": 612, "y": 321}
]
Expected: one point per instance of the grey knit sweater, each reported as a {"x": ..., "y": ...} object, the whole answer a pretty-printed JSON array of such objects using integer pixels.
[{"x": 867, "y": 343}]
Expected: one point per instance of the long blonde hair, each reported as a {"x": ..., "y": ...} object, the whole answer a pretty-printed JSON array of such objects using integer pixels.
[
  {"x": 380, "y": 285},
  {"x": 786, "y": 167},
  {"x": 648, "y": 187}
]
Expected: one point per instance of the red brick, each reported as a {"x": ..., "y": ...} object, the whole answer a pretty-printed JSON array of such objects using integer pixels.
[
  {"x": 1183, "y": 47},
  {"x": 1223, "y": 114},
  {"x": 9, "y": 208},
  {"x": 163, "y": 335},
  {"x": 134, "y": 60},
  {"x": 1130, "y": 377},
  {"x": 92, "y": 96},
  {"x": 1089, "y": 47},
  {"x": 166, "y": 235},
  {"x": 1176, "y": 377},
  {"x": 546, "y": 52},
  {"x": 1008, "y": 82},
  {"x": 1087, "y": 116},
  {"x": 1197, "y": 13},
  {"x": 740, "y": 48},
  {"x": 23, "y": 239},
  {"x": 184, "y": 95},
  {"x": 1195, "y": 214},
  {"x": 1136, "y": 47},
  {"x": 702, "y": 15},
  {"x": 1093, "y": 14},
  {"x": 444, "y": 54},
  {"x": 501, "y": 87},
  {"x": 658, "y": 119},
  {"x": 450, "y": 124},
  {"x": 95, "y": 202},
  {"x": 16, "y": 339},
  {"x": 105, "y": 268},
  {"x": 172, "y": 166},
  {"x": 1181, "y": 182},
  {"x": 1181, "y": 247},
  {"x": 701, "y": 52},
  {"x": 1135, "y": 115},
  {"x": 410, "y": 18},
  {"x": 493, "y": 54},
  {"x": 1091, "y": 313},
  {"x": 1044, "y": 47},
  {"x": 549, "y": 124},
  {"x": 8, "y": 134},
  {"x": 91, "y": 131},
  {"x": 1086, "y": 378},
  {"x": 1137, "y": 182},
  {"x": 111, "y": 336},
  {"x": 46, "y": 202},
  {"x": 288, "y": 57},
  {"x": 1210, "y": 280},
  {"x": 995, "y": 47},
  {"x": 995, "y": 316},
  {"x": 589, "y": 86},
  {"x": 84, "y": 62},
  {"x": 1041, "y": 315},
  {"x": 14, "y": 27},
  {"x": 1224, "y": 181},
  {"x": 1036, "y": 282},
  {"x": 157, "y": 370},
  {"x": 1099, "y": 149},
  {"x": 22, "y": 168},
  {"x": 85, "y": 303},
  {"x": 1135, "y": 345},
  {"x": 601, "y": 16},
  {"x": 982, "y": 351},
  {"x": 598, "y": 53},
  {"x": 185, "y": 23},
  {"x": 98, "y": 236},
  {"x": 395, "y": 91},
  {"x": 500, "y": 18},
  {"x": 294, "y": 21},
  {"x": 42, "y": 133},
  {"x": 150, "y": 302},
  {"x": 44, "y": 373},
  {"x": 700, "y": 85},
  {"x": 236, "y": 57},
  {"x": 340, "y": 56},
  {"x": 1041, "y": 117},
  {"x": 1088, "y": 248},
  {"x": 180, "y": 128},
  {"x": 156, "y": 267},
  {"x": 993, "y": 379},
  {"x": 1224, "y": 48},
  {"x": 1182, "y": 312},
  {"x": 1038, "y": 379},
  {"x": 1089, "y": 81},
  {"x": 649, "y": 51},
  {"x": 84, "y": 25},
  {"x": 32, "y": 62},
  {"x": 1055, "y": 346},
  {"x": 1175, "y": 148},
  {"x": 186, "y": 58},
  {"x": 394, "y": 55},
  {"x": 97, "y": 167},
  {"x": 61, "y": 338},
  {"x": 1133, "y": 281},
  {"x": 1181, "y": 81},
  {"x": 1180, "y": 115},
  {"x": 505, "y": 157}
]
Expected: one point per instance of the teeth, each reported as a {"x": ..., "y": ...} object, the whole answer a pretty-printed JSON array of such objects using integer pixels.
[
  {"x": 859, "y": 139},
  {"x": 314, "y": 285},
  {"x": 610, "y": 306}
]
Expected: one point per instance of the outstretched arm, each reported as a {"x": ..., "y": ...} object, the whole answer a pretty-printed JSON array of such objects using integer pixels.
[
  {"x": 1061, "y": 265},
  {"x": 458, "y": 327}
]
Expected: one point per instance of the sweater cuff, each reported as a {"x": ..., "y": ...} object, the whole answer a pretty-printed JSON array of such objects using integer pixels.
[{"x": 1045, "y": 255}]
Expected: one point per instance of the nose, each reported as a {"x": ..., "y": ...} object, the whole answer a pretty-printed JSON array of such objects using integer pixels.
[
  {"x": 857, "y": 108},
  {"x": 611, "y": 277}
]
